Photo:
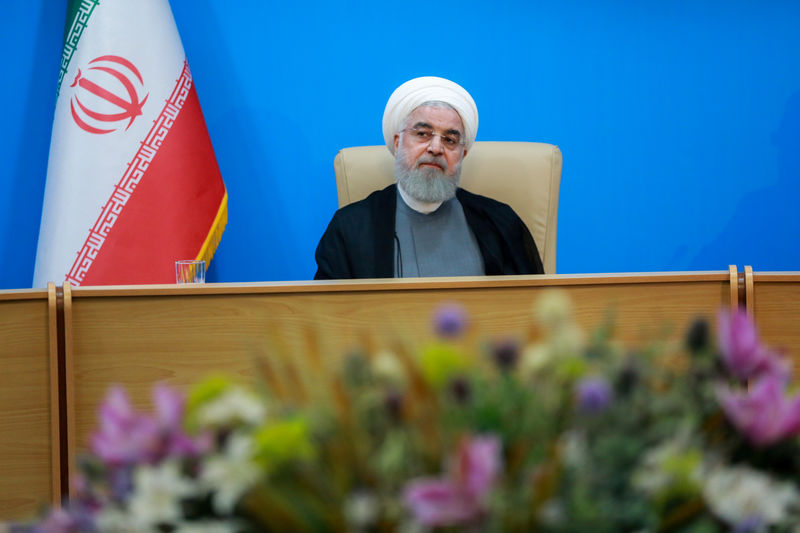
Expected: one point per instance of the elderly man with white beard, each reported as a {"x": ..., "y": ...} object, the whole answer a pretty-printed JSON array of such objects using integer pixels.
[{"x": 425, "y": 225}]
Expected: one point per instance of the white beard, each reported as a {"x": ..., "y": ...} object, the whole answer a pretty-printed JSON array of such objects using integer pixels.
[{"x": 427, "y": 184}]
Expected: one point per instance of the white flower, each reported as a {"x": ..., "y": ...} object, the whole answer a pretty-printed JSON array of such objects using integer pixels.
[
  {"x": 157, "y": 493},
  {"x": 575, "y": 449},
  {"x": 672, "y": 462},
  {"x": 553, "y": 309},
  {"x": 738, "y": 493},
  {"x": 563, "y": 344},
  {"x": 361, "y": 509},
  {"x": 234, "y": 406},
  {"x": 535, "y": 359},
  {"x": 113, "y": 520},
  {"x": 567, "y": 341},
  {"x": 552, "y": 513},
  {"x": 230, "y": 474},
  {"x": 387, "y": 367}
]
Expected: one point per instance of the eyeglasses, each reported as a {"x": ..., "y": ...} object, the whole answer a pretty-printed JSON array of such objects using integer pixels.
[{"x": 426, "y": 135}]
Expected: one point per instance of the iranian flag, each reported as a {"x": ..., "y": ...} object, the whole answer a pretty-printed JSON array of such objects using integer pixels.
[{"x": 132, "y": 181}]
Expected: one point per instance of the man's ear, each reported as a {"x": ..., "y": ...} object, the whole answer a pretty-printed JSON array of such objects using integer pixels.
[
  {"x": 464, "y": 154},
  {"x": 396, "y": 141}
]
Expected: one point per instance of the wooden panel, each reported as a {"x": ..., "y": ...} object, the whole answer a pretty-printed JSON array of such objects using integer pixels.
[
  {"x": 776, "y": 305},
  {"x": 733, "y": 277},
  {"x": 748, "y": 290},
  {"x": 137, "y": 336},
  {"x": 27, "y": 463}
]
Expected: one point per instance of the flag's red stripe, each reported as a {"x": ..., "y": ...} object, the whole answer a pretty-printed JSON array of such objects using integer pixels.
[{"x": 170, "y": 212}]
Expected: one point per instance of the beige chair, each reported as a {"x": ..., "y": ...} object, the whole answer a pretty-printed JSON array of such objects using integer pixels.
[{"x": 526, "y": 176}]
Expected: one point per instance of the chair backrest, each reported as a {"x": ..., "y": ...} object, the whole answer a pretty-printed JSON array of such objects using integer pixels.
[{"x": 524, "y": 175}]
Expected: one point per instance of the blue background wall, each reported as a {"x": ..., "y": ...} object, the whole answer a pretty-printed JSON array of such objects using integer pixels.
[{"x": 679, "y": 121}]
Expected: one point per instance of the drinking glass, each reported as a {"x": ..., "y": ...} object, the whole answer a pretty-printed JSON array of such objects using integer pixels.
[{"x": 190, "y": 271}]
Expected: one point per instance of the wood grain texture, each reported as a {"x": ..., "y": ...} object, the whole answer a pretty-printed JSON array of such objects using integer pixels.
[
  {"x": 139, "y": 336},
  {"x": 26, "y": 460},
  {"x": 749, "y": 290},
  {"x": 55, "y": 407},
  {"x": 776, "y": 306}
]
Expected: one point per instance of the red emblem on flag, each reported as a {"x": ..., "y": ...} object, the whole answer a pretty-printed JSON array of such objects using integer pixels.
[{"x": 107, "y": 95}]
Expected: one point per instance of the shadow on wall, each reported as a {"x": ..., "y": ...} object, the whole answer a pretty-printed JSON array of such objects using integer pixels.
[{"x": 763, "y": 230}]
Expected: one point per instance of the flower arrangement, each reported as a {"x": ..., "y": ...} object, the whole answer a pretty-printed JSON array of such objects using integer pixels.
[{"x": 559, "y": 432}]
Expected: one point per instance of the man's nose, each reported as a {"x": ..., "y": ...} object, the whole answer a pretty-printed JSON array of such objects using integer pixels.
[{"x": 435, "y": 146}]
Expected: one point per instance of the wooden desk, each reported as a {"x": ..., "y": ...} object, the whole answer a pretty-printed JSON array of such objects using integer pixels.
[
  {"x": 179, "y": 334},
  {"x": 139, "y": 335},
  {"x": 29, "y": 437}
]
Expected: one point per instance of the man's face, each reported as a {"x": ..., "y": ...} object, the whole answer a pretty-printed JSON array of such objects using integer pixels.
[{"x": 428, "y": 167}]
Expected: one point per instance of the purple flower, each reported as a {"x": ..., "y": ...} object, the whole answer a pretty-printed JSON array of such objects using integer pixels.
[
  {"x": 751, "y": 524},
  {"x": 461, "y": 390},
  {"x": 450, "y": 320},
  {"x": 459, "y": 498},
  {"x": 58, "y": 521},
  {"x": 438, "y": 502},
  {"x": 742, "y": 352},
  {"x": 478, "y": 465},
  {"x": 592, "y": 395},
  {"x": 169, "y": 405},
  {"x": 126, "y": 437},
  {"x": 764, "y": 413},
  {"x": 505, "y": 354},
  {"x": 393, "y": 401},
  {"x": 74, "y": 519},
  {"x": 121, "y": 483}
]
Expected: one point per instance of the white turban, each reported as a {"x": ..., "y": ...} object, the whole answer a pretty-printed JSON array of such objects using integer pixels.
[{"x": 412, "y": 93}]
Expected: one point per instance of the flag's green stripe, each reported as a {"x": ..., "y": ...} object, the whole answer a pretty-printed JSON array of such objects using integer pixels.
[{"x": 78, "y": 13}]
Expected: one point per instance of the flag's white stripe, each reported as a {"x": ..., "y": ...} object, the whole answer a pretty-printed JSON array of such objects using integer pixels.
[
  {"x": 84, "y": 168},
  {"x": 126, "y": 187}
]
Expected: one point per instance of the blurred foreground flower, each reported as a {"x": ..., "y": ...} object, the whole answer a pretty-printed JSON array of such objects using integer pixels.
[
  {"x": 231, "y": 473},
  {"x": 739, "y": 495},
  {"x": 742, "y": 352},
  {"x": 764, "y": 413},
  {"x": 126, "y": 437},
  {"x": 553, "y": 309},
  {"x": 450, "y": 320},
  {"x": 458, "y": 499},
  {"x": 593, "y": 394},
  {"x": 157, "y": 495},
  {"x": 569, "y": 432}
]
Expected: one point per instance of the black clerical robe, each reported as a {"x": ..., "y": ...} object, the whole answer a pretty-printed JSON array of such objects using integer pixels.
[{"x": 359, "y": 241}]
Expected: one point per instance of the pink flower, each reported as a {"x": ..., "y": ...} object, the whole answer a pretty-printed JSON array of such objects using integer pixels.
[
  {"x": 170, "y": 407},
  {"x": 72, "y": 519},
  {"x": 127, "y": 437},
  {"x": 436, "y": 502},
  {"x": 764, "y": 414},
  {"x": 58, "y": 521},
  {"x": 743, "y": 354},
  {"x": 459, "y": 498},
  {"x": 478, "y": 464},
  {"x": 124, "y": 436}
]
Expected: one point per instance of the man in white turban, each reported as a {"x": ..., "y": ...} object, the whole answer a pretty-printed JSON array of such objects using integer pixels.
[{"x": 425, "y": 225}]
